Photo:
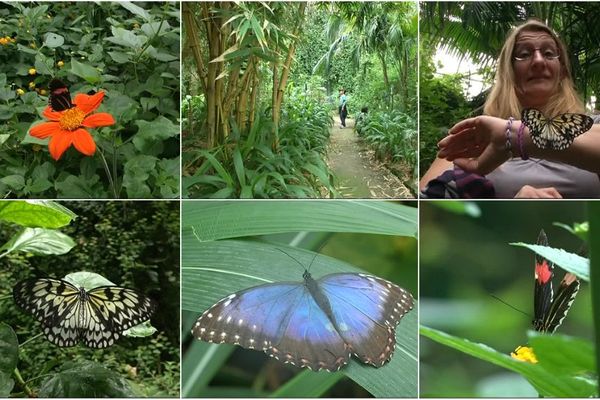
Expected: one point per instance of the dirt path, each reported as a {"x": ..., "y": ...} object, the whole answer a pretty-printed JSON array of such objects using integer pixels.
[{"x": 359, "y": 173}]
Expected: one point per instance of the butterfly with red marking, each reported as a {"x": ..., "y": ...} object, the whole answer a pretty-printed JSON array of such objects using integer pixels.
[
  {"x": 549, "y": 309},
  {"x": 60, "y": 97}
]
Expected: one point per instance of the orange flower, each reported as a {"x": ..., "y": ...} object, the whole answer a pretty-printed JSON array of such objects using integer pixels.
[{"x": 66, "y": 127}]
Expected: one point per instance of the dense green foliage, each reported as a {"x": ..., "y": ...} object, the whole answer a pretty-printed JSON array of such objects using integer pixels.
[
  {"x": 256, "y": 171},
  {"x": 133, "y": 245},
  {"x": 129, "y": 51},
  {"x": 392, "y": 134},
  {"x": 442, "y": 103}
]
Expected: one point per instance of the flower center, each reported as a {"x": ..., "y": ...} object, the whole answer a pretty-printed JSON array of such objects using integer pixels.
[{"x": 71, "y": 119}]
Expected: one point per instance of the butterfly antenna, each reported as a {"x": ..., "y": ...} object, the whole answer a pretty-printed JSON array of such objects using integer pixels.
[
  {"x": 293, "y": 258},
  {"x": 511, "y": 306}
]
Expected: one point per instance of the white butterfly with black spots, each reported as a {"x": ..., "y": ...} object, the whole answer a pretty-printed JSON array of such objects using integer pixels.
[
  {"x": 69, "y": 314},
  {"x": 555, "y": 133}
]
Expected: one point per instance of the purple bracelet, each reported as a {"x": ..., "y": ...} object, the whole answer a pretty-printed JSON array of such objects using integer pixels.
[
  {"x": 524, "y": 155},
  {"x": 508, "y": 145}
]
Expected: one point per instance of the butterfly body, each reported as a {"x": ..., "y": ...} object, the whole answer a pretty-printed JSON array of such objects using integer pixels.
[
  {"x": 555, "y": 133},
  {"x": 60, "y": 97},
  {"x": 551, "y": 310},
  {"x": 317, "y": 324},
  {"x": 70, "y": 315}
]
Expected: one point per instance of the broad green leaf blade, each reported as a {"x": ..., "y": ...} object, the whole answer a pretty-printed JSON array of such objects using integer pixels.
[
  {"x": 563, "y": 355},
  {"x": 578, "y": 229},
  {"x": 6, "y": 384},
  {"x": 222, "y": 220},
  {"x": 570, "y": 262},
  {"x": 308, "y": 385},
  {"x": 9, "y": 349},
  {"x": 213, "y": 270},
  {"x": 459, "y": 207},
  {"x": 200, "y": 364},
  {"x": 40, "y": 242},
  {"x": 86, "y": 379},
  {"x": 594, "y": 243},
  {"x": 36, "y": 213},
  {"x": 546, "y": 383},
  {"x": 85, "y": 71}
]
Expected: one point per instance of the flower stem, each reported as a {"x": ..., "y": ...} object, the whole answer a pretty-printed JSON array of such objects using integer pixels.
[
  {"x": 22, "y": 383},
  {"x": 108, "y": 174}
]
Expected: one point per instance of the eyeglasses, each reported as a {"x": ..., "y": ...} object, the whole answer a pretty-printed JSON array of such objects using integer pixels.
[{"x": 525, "y": 54}]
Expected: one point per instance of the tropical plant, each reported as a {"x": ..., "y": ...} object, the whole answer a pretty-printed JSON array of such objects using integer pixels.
[{"x": 127, "y": 52}]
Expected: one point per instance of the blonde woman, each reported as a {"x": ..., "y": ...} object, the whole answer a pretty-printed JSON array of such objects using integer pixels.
[{"x": 533, "y": 72}]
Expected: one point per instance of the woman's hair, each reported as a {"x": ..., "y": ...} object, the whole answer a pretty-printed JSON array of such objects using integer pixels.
[{"x": 503, "y": 101}]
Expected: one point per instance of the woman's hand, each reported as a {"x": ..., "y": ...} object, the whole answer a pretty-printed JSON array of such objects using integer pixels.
[
  {"x": 529, "y": 192},
  {"x": 476, "y": 144}
]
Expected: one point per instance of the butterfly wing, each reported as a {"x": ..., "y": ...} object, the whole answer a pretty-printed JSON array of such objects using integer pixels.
[
  {"x": 281, "y": 319},
  {"x": 366, "y": 310},
  {"x": 60, "y": 98},
  {"x": 55, "y": 304},
  {"x": 567, "y": 290},
  {"x": 110, "y": 310},
  {"x": 557, "y": 133},
  {"x": 542, "y": 293}
]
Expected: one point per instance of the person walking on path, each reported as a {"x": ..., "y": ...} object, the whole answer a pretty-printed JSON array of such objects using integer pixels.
[{"x": 343, "y": 111}]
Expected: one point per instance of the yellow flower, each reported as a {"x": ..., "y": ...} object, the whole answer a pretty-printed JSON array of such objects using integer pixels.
[
  {"x": 31, "y": 85},
  {"x": 12, "y": 39},
  {"x": 4, "y": 41},
  {"x": 60, "y": 64},
  {"x": 524, "y": 353},
  {"x": 43, "y": 92},
  {"x": 20, "y": 92},
  {"x": 32, "y": 71},
  {"x": 32, "y": 45}
]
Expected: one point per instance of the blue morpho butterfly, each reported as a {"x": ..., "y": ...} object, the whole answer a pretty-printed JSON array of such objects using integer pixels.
[{"x": 314, "y": 323}]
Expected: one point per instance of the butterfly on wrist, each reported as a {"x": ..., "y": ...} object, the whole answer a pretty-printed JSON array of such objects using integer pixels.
[{"x": 556, "y": 133}]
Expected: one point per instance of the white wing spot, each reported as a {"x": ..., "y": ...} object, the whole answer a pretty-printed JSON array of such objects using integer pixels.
[
  {"x": 209, "y": 315},
  {"x": 228, "y": 319}
]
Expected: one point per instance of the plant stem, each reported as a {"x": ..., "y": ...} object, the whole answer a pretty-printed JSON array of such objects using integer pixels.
[
  {"x": 108, "y": 174},
  {"x": 29, "y": 340},
  {"x": 22, "y": 383}
]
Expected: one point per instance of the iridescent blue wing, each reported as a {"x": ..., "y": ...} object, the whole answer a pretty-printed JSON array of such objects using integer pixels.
[
  {"x": 282, "y": 319},
  {"x": 366, "y": 310}
]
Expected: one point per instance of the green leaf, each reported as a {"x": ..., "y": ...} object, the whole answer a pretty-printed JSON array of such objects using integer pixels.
[
  {"x": 547, "y": 383},
  {"x": 459, "y": 207},
  {"x": 137, "y": 172},
  {"x": 77, "y": 187},
  {"x": 85, "y": 379},
  {"x": 594, "y": 245},
  {"x": 134, "y": 9},
  {"x": 570, "y": 262},
  {"x": 126, "y": 38},
  {"x": 238, "y": 164},
  {"x": 15, "y": 182},
  {"x": 201, "y": 362},
  {"x": 36, "y": 213},
  {"x": 9, "y": 349},
  {"x": 563, "y": 355},
  {"x": 308, "y": 384},
  {"x": 220, "y": 220},
  {"x": 119, "y": 57},
  {"x": 85, "y": 71},
  {"x": 213, "y": 270},
  {"x": 40, "y": 242},
  {"x": 151, "y": 134},
  {"x": 6, "y": 384},
  {"x": 53, "y": 40}
]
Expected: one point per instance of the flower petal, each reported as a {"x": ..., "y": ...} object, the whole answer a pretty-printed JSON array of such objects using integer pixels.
[
  {"x": 98, "y": 119},
  {"x": 45, "y": 129},
  {"x": 51, "y": 114},
  {"x": 87, "y": 103},
  {"x": 59, "y": 143},
  {"x": 83, "y": 141}
]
